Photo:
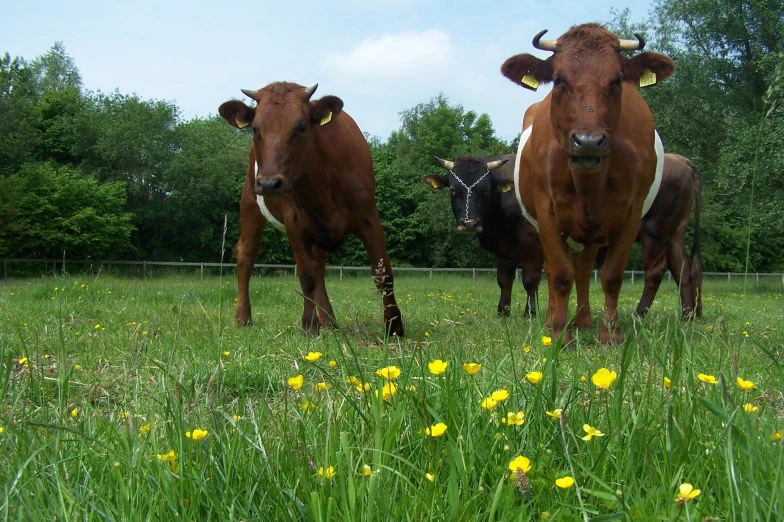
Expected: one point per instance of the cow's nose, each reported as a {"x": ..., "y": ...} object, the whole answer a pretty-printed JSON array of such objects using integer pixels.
[
  {"x": 470, "y": 222},
  {"x": 588, "y": 144},
  {"x": 269, "y": 185}
]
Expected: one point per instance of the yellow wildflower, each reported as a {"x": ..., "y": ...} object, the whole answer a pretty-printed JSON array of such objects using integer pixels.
[
  {"x": 23, "y": 362},
  {"x": 591, "y": 432},
  {"x": 667, "y": 382},
  {"x": 388, "y": 391},
  {"x": 366, "y": 471},
  {"x": 436, "y": 430},
  {"x": 328, "y": 473},
  {"x": 226, "y": 353},
  {"x": 124, "y": 415},
  {"x": 196, "y": 434},
  {"x": 313, "y": 356},
  {"x": 527, "y": 348},
  {"x": 430, "y": 477},
  {"x": 296, "y": 382},
  {"x": 389, "y": 373},
  {"x": 564, "y": 482},
  {"x": 710, "y": 379},
  {"x": 777, "y": 436},
  {"x": 437, "y": 367},
  {"x": 333, "y": 364},
  {"x": 74, "y": 413},
  {"x": 307, "y": 405},
  {"x": 471, "y": 368},
  {"x": 353, "y": 381},
  {"x": 323, "y": 386},
  {"x": 546, "y": 341},
  {"x": 534, "y": 377},
  {"x": 583, "y": 378},
  {"x": 745, "y": 385},
  {"x": 411, "y": 388},
  {"x": 750, "y": 408},
  {"x": 500, "y": 395},
  {"x": 171, "y": 458},
  {"x": 686, "y": 492},
  {"x": 489, "y": 403},
  {"x": 555, "y": 414},
  {"x": 144, "y": 429},
  {"x": 514, "y": 419},
  {"x": 520, "y": 462},
  {"x": 603, "y": 378}
]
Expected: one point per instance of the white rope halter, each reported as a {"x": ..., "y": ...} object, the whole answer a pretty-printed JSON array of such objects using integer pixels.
[{"x": 468, "y": 196}]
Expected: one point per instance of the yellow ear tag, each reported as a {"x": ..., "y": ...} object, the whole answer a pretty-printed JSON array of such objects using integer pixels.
[
  {"x": 326, "y": 119},
  {"x": 505, "y": 189},
  {"x": 648, "y": 78},
  {"x": 530, "y": 82},
  {"x": 241, "y": 123},
  {"x": 434, "y": 183}
]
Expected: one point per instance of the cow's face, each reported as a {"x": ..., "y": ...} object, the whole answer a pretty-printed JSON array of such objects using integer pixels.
[
  {"x": 588, "y": 73},
  {"x": 472, "y": 186},
  {"x": 284, "y": 125}
]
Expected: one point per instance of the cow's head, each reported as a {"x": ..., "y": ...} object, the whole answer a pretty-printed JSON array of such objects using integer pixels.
[
  {"x": 472, "y": 186},
  {"x": 588, "y": 73},
  {"x": 284, "y": 122}
]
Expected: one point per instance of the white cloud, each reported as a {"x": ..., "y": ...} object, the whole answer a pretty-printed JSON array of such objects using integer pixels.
[{"x": 395, "y": 55}]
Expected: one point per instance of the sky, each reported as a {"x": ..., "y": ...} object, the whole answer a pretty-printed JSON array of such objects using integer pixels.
[{"x": 380, "y": 57}]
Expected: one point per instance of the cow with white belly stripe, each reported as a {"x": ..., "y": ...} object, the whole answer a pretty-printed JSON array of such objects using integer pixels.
[{"x": 484, "y": 205}]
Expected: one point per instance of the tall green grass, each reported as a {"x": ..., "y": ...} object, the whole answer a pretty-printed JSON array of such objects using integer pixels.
[{"x": 163, "y": 352}]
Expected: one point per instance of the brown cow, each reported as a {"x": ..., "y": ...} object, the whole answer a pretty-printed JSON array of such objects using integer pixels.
[
  {"x": 310, "y": 173},
  {"x": 591, "y": 161}
]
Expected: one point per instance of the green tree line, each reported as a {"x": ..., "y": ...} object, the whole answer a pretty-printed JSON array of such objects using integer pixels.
[{"x": 114, "y": 176}]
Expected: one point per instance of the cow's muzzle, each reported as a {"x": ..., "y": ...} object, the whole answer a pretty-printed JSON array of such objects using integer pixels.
[
  {"x": 270, "y": 186},
  {"x": 587, "y": 150},
  {"x": 469, "y": 226}
]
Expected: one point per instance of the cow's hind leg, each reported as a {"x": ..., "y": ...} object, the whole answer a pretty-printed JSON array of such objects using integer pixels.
[
  {"x": 505, "y": 275},
  {"x": 679, "y": 265},
  {"x": 654, "y": 262},
  {"x": 532, "y": 275},
  {"x": 583, "y": 269},
  {"x": 326, "y": 316},
  {"x": 372, "y": 236},
  {"x": 246, "y": 250}
]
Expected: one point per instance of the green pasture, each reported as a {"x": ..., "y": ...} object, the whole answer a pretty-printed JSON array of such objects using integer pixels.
[{"x": 103, "y": 375}]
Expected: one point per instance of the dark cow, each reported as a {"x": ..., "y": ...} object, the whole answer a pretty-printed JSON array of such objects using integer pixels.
[
  {"x": 484, "y": 204},
  {"x": 310, "y": 174},
  {"x": 663, "y": 232},
  {"x": 592, "y": 163}
]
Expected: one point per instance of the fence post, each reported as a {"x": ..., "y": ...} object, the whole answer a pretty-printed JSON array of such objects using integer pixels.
[
  {"x": 595, "y": 276},
  {"x": 341, "y": 273},
  {"x": 431, "y": 273},
  {"x": 757, "y": 277},
  {"x": 295, "y": 271},
  {"x": 474, "y": 273},
  {"x": 201, "y": 272},
  {"x": 729, "y": 277},
  {"x": 144, "y": 269},
  {"x": 632, "y": 276}
]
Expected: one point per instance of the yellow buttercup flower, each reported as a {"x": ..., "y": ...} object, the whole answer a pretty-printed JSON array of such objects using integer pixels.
[
  {"x": 388, "y": 391},
  {"x": 603, "y": 378},
  {"x": 363, "y": 387},
  {"x": 2, "y": 429},
  {"x": 436, "y": 430},
  {"x": 366, "y": 471},
  {"x": 144, "y": 429},
  {"x": 24, "y": 362},
  {"x": 546, "y": 341},
  {"x": 583, "y": 378},
  {"x": 500, "y": 395},
  {"x": 124, "y": 415},
  {"x": 328, "y": 473},
  {"x": 353, "y": 381},
  {"x": 313, "y": 356},
  {"x": 527, "y": 348},
  {"x": 323, "y": 386},
  {"x": 750, "y": 408},
  {"x": 307, "y": 405},
  {"x": 686, "y": 492},
  {"x": 74, "y": 413},
  {"x": 437, "y": 367},
  {"x": 430, "y": 477},
  {"x": 591, "y": 432},
  {"x": 564, "y": 482},
  {"x": 196, "y": 434},
  {"x": 667, "y": 382},
  {"x": 534, "y": 377},
  {"x": 296, "y": 382},
  {"x": 333, "y": 364},
  {"x": 411, "y": 388},
  {"x": 389, "y": 373},
  {"x": 514, "y": 419},
  {"x": 777, "y": 436},
  {"x": 471, "y": 368},
  {"x": 710, "y": 379},
  {"x": 520, "y": 462},
  {"x": 226, "y": 353},
  {"x": 745, "y": 385},
  {"x": 171, "y": 458},
  {"x": 555, "y": 414},
  {"x": 489, "y": 403}
]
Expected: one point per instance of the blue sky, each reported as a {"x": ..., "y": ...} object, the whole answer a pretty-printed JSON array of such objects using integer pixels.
[{"x": 380, "y": 57}]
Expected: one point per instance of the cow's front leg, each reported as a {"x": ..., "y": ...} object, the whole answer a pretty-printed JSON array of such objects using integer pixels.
[
  {"x": 505, "y": 275},
  {"x": 559, "y": 268},
  {"x": 372, "y": 235},
  {"x": 612, "y": 280},
  {"x": 583, "y": 267},
  {"x": 326, "y": 316},
  {"x": 307, "y": 272},
  {"x": 246, "y": 250},
  {"x": 532, "y": 272}
]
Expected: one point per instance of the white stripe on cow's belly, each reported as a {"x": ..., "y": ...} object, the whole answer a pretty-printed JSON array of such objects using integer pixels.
[
  {"x": 523, "y": 138},
  {"x": 659, "y": 148},
  {"x": 264, "y": 210}
]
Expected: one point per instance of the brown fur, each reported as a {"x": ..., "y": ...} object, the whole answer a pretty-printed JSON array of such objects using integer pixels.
[{"x": 327, "y": 191}]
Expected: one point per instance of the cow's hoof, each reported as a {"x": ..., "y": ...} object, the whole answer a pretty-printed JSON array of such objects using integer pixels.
[
  {"x": 244, "y": 320},
  {"x": 395, "y": 328}
]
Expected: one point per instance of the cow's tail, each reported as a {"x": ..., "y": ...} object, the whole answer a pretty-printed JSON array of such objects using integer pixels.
[{"x": 696, "y": 255}]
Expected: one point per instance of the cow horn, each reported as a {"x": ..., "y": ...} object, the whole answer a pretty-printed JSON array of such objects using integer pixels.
[
  {"x": 449, "y": 165},
  {"x": 495, "y": 164},
  {"x": 249, "y": 93},
  {"x": 631, "y": 45},
  {"x": 544, "y": 45},
  {"x": 310, "y": 90}
]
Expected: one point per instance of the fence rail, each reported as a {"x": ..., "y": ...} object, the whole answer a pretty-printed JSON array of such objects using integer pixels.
[{"x": 144, "y": 264}]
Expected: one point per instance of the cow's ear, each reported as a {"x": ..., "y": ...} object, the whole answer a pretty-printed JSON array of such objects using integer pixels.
[
  {"x": 236, "y": 113},
  {"x": 647, "y": 69},
  {"x": 528, "y": 70},
  {"x": 436, "y": 181},
  {"x": 323, "y": 110},
  {"x": 504, "y": 185}
]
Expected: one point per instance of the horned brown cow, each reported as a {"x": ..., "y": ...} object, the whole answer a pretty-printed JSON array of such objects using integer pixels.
[
  {"x": 590, "y": 162},
  {"x": 310, "y": 174}
]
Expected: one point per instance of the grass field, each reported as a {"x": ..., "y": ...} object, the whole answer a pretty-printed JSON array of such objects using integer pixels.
[{"x": 107, "y": 383}]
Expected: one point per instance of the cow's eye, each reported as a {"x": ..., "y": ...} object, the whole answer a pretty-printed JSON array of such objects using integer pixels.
[
  {"x": 615, "y": 85},
  {"x": 560, "y": 84},
  {"x": 300, "y": 128},
  {"x": 255, "y": 130}
]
